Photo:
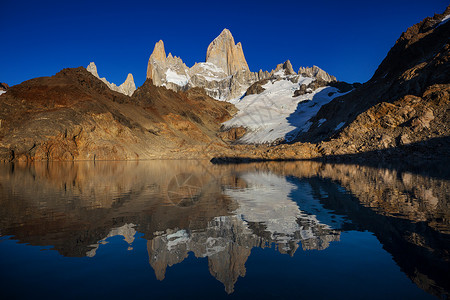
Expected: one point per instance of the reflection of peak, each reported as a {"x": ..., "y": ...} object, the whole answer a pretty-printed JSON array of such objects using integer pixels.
[
  {"x": 227, "y": 242},
  {"x": 127, "y": 231},
  {"x": 160, "y": 257},
  {"x": 228, "y": 265}
]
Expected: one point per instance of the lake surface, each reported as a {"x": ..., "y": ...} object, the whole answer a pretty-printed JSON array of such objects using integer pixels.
[{"x": 190, "y": 229}]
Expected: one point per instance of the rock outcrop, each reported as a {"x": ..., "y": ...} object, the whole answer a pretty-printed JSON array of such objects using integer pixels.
[
  {"x": 168, "y": 71},
  {"x": 126, "y": 88},
  {"x": 286, "y": 69},
  {"x": 316, "y": 72}
]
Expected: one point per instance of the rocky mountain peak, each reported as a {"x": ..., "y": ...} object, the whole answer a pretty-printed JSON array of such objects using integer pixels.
[
  {"x": 126, "y": 88},
  {"x": 286, "y": 67},
  {"x": 317, "y": 73},
  {"x": 225, "y": 54},
  {"x": 159, "y": 53},
  {"x": 92, "y": 68},
  {"x": 158, "y": 56},
  {"x": 169, "y": 71}
]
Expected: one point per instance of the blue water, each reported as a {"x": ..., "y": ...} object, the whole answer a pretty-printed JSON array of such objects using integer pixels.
[{"x": 235, "y": 237}]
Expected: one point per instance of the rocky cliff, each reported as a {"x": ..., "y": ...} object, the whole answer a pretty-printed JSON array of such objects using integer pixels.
[
  {"x": 227, "y": 55},
  {"x": 316, "y": 72}
]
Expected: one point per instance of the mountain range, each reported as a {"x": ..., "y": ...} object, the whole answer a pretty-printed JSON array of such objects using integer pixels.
[{"x": 219, "y": 108}]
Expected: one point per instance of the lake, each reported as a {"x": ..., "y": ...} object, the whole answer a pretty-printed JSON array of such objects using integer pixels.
[{"x": 191, "y": 229}]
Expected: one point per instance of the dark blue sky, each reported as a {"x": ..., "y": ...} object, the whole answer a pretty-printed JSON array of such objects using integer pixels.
[{"x": 348, "y": 39}]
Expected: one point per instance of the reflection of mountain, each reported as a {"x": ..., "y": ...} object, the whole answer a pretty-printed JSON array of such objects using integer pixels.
[
  {"x": 265, "y": 216},
  {"x": 74, "y": 206},
  {"x": 222, "y": 212},
  {"x": 227, "y": 215},
  {"x": 407, "y": 212}
]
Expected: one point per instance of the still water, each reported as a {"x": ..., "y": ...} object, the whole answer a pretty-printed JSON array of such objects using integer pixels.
[{"x": 190, "y": 229}]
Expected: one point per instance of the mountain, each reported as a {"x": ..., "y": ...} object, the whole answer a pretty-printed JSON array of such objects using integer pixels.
[
  {"x": 126, "y": 88},
  {"x": 401, "y": 113},
  {"x": 75, "y": 116},
  {"x": 224, "y": 75},
  {"x": 227, "y": 55},
  {"x": 403, "y": 109}
]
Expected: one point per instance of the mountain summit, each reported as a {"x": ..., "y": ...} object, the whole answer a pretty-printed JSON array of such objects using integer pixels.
[
  {"x": 225, "y": 54},
  {"x": 126, "y": 88},
  {"x": 224, "y": 75}
]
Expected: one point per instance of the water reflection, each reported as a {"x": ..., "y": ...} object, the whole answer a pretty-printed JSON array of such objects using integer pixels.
[{"x": 223, "y": 212}]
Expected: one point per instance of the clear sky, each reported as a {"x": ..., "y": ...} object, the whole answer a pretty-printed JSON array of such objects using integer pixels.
[{"x": 347, "y": 39}]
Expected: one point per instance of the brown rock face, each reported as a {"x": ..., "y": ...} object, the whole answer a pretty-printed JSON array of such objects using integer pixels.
[
  {"x": 232, "y": 134},
  {"x": 226, "y": 55},
  {"x": 75, "y": 116}
]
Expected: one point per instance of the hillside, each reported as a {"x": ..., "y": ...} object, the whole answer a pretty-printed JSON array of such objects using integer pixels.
[{"x": 75, "y": 116}]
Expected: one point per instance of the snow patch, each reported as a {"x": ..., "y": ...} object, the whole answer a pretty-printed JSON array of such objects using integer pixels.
[
  {"x": 444, "y": 20},
  {"x": 174, "y": 239},
  {"x": 178, "y": 79},
  {"x": 211, "y": 67},
  {"x": 321, "y": 121},
  {"x": 2, "y": 92},
  {"x": 275, "y": 114}
]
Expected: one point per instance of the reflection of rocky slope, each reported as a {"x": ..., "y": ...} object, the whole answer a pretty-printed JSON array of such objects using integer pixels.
[
  {"x": 233, "y": 209},
  {"x": 227, "y": 242},
  {"x": 74, "y": 116},
  {"x": 98, "y": 198},
  {"x": 102, "y": 200},
  {"x": 265, "y": 216}
]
